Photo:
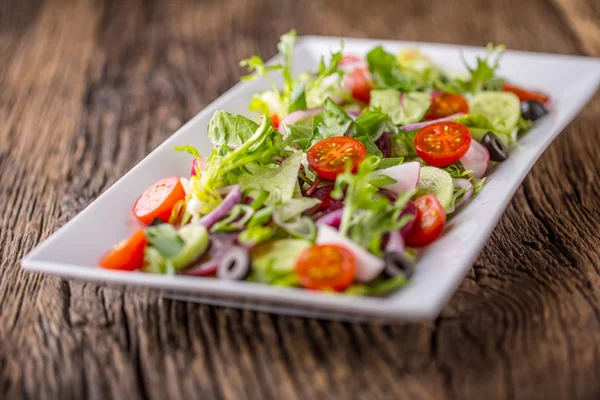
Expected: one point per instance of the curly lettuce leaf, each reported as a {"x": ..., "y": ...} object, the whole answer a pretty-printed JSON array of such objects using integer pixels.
[
  {"x": 227, "y": 161},
  {"x": 280, "y": 182},
  {"x": 485, "y": 67}
]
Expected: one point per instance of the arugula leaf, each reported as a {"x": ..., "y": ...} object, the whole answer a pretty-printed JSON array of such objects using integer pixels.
[
  {"x": 485, "y": 68},
  {"x": 374, "y": 122},
  {"x": 386, "y": 72},
  {"x": 230, "y": 129},
  {"x": 334, "y": 121},
  {"x": 403, "y": 108}
]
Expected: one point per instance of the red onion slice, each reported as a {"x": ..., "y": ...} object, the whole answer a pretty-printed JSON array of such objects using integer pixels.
[
  {"x": 468, "y": 187},
  {"x": 421, "y": 125},
  {"x": 410, "y": 209},
  {"x": 232, "y": 198},
  {"x": 395, "y": 242},
  {"x": 220, "y": 243},
  {"x": 406, "y": 176},
  {"x": 476, "y": 159},
  {"x": 200, "y": 163},
  {"x": 333, "y": 219}
]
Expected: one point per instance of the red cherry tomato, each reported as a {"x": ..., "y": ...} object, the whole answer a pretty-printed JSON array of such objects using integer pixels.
[
  {"x": 359, "y": 81},
  {"x": 328, "y": 157},
  {"x": 525, "y": 95},
  {"x": 128, "y": 255},
  {"x": 445, "y": 105},
  {"x": 325, "y": 267},
  {"x": 443, "y": 143},
  {"x": 275, "y": 121},
  {"x": 428, "y": 223},
  {"x": 158, "y": 200}
]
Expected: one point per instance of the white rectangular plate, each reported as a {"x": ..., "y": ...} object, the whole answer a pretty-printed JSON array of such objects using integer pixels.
[{"x": 74, "y": 251}]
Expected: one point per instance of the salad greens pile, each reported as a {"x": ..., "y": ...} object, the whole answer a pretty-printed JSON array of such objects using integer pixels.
[{"x": 346, "y": 173}]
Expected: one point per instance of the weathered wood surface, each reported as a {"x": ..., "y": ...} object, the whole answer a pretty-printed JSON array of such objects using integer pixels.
[{"x": 88, "y": 88}]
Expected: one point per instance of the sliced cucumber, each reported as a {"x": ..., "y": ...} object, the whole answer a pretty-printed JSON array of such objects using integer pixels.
[
  {"x": 503, "y": 109},
  {"x": 411, "y": 109},
  {"x": 276, "y": 258},
  {"x": 438, "y": 182},
  {"x": 195, "y": 243}
]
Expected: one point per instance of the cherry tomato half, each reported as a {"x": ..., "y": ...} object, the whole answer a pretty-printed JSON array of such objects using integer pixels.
[
  {"x": 445, "y": 105},
  {"x": 275, "y": 121},
  {"x": 359, "y": 82},
  {"x": 128, "y": 255},
  {"x": 525, "y": 95},
  {"x": 428, "y": 223},
  {"x": 443, "y": 143},
  {"x": 158, "y": 200},
  {"x": 328, "y": 157},
  {"x": 325, "y": 267}
]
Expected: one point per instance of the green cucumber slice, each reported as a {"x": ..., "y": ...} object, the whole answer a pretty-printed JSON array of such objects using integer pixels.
[
  {"x": 195, "y": 243},
  {"x": 503, "y": 109},
  {"x": 438, "y": 182}
]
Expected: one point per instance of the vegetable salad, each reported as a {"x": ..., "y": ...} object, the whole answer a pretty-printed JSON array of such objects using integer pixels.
[{"x": 350, "y": 171}]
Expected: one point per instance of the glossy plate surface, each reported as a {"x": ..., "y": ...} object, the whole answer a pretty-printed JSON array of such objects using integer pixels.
[{"x": 74, "y": 250}]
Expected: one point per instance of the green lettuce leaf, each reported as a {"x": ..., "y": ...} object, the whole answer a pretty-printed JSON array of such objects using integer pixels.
[
  {"x": 230, "y": 129},
  {"x": 298, "y": 136},
  {"x": 386, "y": 72},
  {"x": 280, "y": 181}
]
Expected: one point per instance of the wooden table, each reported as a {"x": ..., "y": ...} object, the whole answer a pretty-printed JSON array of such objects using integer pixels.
[{"x": 87, "y": 89}]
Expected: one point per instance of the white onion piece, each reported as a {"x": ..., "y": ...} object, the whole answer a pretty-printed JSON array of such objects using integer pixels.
[
  {"x": 468, "y": 186},
  {"x": 232, "y": 198},
  {"x": 395, "y": 242},
  {"x": 368, "y": 266},
  {"x": 421, "y": 125},
  {"x": 298, "y": 116},
  {"x": 406, "y": 176},
  {"x": 476, "y": 159}
]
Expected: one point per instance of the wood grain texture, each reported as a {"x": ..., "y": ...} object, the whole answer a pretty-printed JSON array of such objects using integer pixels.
[{"x": 88, "y": 88}]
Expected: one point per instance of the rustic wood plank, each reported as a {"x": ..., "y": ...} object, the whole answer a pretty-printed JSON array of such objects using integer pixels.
[
  {"x": 83, "y": 102},
  {"x": 583, "y": 17}
]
